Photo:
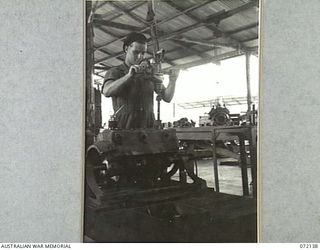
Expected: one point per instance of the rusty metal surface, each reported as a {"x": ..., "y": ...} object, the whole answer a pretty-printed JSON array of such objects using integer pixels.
[
  {"x": 137, "y": 142},
  {"x": 138, "y": 159}
]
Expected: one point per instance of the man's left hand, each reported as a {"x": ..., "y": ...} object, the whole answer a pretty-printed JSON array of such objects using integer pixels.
[
  {"x": 173, "y": 75},
  {"x": 157, "y": 78}
]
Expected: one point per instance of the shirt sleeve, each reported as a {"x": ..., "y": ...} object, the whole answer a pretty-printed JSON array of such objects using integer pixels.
[{"x": 111, "y": 74}]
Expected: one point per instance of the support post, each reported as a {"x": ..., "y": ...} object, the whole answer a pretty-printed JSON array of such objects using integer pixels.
[
  {"x": 243, "y": 165},
  {"x": 248, "y": 87},
  {"x": 253, "y": 159},
  {"x": 215, "y": 161},
  {"x": 90, "y": 95}
]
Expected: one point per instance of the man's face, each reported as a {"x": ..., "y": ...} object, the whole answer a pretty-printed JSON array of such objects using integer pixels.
[{"x": 135, "y": 53}]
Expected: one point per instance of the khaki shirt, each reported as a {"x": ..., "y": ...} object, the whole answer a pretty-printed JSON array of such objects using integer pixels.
[{"x": 136, "y": 100}]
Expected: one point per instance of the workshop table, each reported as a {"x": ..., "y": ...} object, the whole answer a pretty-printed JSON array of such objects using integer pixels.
[{"x": 228, "y": 133}]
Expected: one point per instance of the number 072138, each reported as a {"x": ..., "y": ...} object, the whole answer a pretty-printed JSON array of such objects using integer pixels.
[{"x": 308, "y": 245}]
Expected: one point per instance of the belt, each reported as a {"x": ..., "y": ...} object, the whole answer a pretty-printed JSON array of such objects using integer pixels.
[{"x": 137, "y": 109}]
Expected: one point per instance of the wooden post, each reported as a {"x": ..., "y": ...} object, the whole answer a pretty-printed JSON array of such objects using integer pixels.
[
  {"x": 253, "y": 159},
  {"x": 215, "y": 161},
  {"x": 243, "y": 165},
  {"x": 248, "y": 86}
]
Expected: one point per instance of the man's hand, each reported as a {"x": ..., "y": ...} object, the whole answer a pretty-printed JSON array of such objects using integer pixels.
[
  {"x": 173, "y": 75},
  {"x": 157, "y": 78},
  {"x": 133, "y": 70}
]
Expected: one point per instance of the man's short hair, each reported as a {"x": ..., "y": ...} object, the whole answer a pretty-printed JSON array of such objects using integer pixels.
[{"x": 134, "y": 37}]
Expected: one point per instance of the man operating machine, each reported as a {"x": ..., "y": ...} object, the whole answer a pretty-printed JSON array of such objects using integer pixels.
[{"x": 132, "y": 85}]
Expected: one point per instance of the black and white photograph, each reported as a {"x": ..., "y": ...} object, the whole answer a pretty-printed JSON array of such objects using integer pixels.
[
  {"x": 159, "y": 121},
  {"x": 171, "y": 121}
]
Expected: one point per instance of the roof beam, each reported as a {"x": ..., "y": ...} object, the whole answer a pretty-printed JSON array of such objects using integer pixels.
[
  {"x": 216, "y": 17},
  {"x": 192, "y": 41},
  {"x": 186, "y": 47},
  {"x": 99, "y": 5},
  {"x": 243, "y": 28},
  {"x": 209, "y": 43},
  {"x": 167, "y": 36},
  {"x": 108, "y": 32},
  {"x": 101, "y": 67},
  {"x": 192, "y": 50},
  {"x": 161, "y": 38},
  {"x": 232, "y": 32},
  {"x": 164, "y": 20},
  {"x": 166, "y": 60},
  {"x": 206, "y": 58},
  {"x": 220, "y": 57},
  {"x": 250, "y": 39},
  {"x": 122, "y": 53},
  {"x": 211, "y": 60},
  {"x": 128, "y": 13},
  {"x": 226, "y": 14},
  {"x": 115, "y": 25},
  {"x": 101, "y": 16}
]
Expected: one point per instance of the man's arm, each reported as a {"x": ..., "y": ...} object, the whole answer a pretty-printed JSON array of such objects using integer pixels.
[
  {"x": 169, "y": 91},
  {"x": 113, "y": 87}
]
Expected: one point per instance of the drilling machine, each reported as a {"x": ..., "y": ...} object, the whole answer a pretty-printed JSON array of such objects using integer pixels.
[{"x": 140, "y": 170}]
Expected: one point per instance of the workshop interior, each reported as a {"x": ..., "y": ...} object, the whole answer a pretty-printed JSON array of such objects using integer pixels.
[{"x": 183, "y": 180}]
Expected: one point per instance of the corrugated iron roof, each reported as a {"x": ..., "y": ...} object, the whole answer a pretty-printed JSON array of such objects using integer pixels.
[{"x": 192, "y": 32}]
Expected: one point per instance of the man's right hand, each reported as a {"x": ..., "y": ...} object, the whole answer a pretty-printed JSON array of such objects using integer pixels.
[{"x": 133, "y": 69}]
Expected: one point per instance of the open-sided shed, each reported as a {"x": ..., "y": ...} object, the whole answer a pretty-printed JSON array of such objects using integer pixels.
[{"x": 192, "y": 32}]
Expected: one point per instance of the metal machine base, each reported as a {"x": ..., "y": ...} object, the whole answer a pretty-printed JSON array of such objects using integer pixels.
[{"x": 205, "y": 216}]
